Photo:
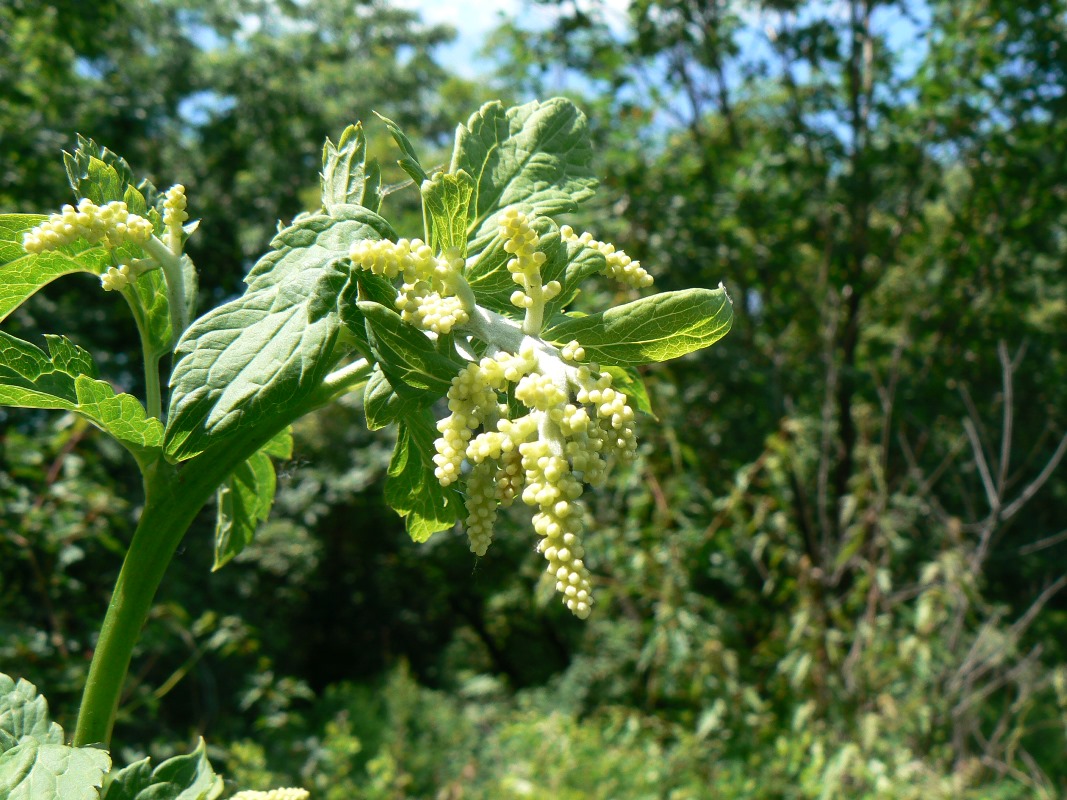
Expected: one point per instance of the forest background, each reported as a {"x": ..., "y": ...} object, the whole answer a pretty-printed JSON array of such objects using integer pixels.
[{"x": 836, "y": 569}]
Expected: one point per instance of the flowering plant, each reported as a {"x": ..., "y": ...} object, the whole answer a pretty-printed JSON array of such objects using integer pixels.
[{"x": 540, "y": 401}]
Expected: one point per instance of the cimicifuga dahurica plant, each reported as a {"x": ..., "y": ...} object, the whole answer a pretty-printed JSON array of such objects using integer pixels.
[{"x": 461, "y": 334}]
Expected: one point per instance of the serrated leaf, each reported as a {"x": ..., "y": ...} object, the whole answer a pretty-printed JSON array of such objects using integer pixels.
[
  {"x": 35, "y": 771},
  {"x": 344, "y": 177},
  {"x": 410, "y": 162},
  {"x": 446, "y": 197},
  {"x": 64, "y": 378},
  {"x": 24, "y": 715},
  {"x": 655, "y": 328},
  {"x": 408, "y": 358},
  {"x": 187, "y": 777},
  {"x": 381, "y": 403},
  {"x": 411, "y": 488},
  {"x": 96, "y": 172},
  {"x": 536, "y": 157},
  {"x": 252, "y": 360},
  {"x": 23, "y": 274}
]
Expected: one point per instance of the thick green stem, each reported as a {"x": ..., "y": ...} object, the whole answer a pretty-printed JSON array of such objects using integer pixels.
[
  {"x": 166, "y": 517},
  {"x": 173, "y": 497}
]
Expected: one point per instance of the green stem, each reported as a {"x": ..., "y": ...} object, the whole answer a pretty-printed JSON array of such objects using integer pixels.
[
  {"x": 173, "y": 497},
  {"x": 175, "y": 280},
  {"x": 153, "y": 395}
]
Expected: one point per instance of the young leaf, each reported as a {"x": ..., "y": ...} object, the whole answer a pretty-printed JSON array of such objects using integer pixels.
[
  {"x": 411, "y": 488},
  {"x": 22, "y": 274},
  {"x": 35, "y": 771},
  {"x": 655, "y": 328},
  {"x": 536, "y": 157},
  {"x": 410, "y": 162},
  {"x": 188, "y": 777},
  {"x": 344, "y": 179},
  {"x": 446, "y": 197},
  {"x": 408, "y": 358},
  {"x": 64, "y": 378},
  {"x": 250, "y": 361}
]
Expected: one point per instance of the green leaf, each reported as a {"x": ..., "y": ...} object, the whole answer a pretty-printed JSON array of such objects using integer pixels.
[
  {"x": 447, "y": 197},
  {"x": 188, "y": 777},
  {"x": 64, "y": 378},
  {"x": 22, "y": 274},
  {"x": 410, "y": 162},
  {"x": 629, "y": 381},
  {"x": 24, "y": 715},
  {"x": 96, "y": 172},
  {"x": 344, "y": 176},
  {"x": 536, "y": 157},
  {"x": 411, "y": 488},
  {"x": 407, "y": 356},
  {"x": 35, "y": 771},
  {"x": 251, "y": 361},
  {"x": 244, "y": 501},
  {"x": 574, "y": 262},
  {"x": 245, "y": 498},
  {"x": 655, "y": 328},
  {"x": 381, "y": 403}
]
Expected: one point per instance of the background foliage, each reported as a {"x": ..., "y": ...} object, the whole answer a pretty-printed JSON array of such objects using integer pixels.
[{"x": 836, "y": 569}]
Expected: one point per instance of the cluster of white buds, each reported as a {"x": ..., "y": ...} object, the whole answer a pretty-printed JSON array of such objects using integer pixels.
[
  {"x": 575, "y": 422},
  {"x": 572, "y": 351},
  {"x": 427, "y": 298},
  {"x": 520, "y": 240},
  {"x": 619, "y": 265},
  {"x": 273, "y": 794},
  {"x": 111, "y": 224},
  {"x": 174, "y": 216},
  {"x": 117, "y": 278}
]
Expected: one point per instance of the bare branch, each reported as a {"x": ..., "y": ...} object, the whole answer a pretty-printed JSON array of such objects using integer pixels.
[
  {"x": 983, "y": 465},
  {"x": 1035, "y": 485}
]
